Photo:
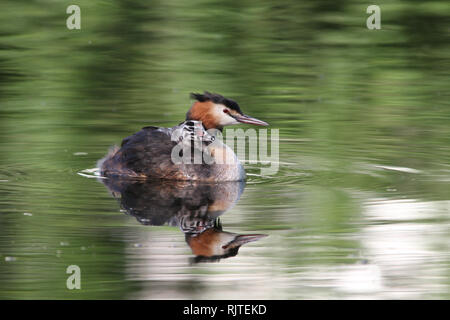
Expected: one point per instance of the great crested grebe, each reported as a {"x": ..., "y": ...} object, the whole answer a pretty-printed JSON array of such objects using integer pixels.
[{"x": 149, "y": 153}]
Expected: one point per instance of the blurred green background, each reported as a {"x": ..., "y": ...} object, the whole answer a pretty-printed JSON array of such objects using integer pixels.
[{"x": 359, "y": 208}]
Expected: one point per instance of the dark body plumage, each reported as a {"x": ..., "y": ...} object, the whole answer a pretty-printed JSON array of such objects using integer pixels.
[
  {"x": 147, "y": 154},
  {"x": 147, "y": 148}
]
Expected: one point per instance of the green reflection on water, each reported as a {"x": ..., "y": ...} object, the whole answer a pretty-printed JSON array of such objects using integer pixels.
[{"x": 346, "y": 100}]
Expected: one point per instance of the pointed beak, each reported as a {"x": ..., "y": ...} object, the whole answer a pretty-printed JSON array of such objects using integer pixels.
[
  {"x": 243, "y": 239},
  {"x": 243, "y": 118}
]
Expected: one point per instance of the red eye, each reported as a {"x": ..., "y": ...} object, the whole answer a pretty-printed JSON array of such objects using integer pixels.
[{"x": 225, "y": 111}]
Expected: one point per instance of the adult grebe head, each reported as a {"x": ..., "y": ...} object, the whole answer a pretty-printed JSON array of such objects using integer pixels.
[{"x": 216, "y": 111}]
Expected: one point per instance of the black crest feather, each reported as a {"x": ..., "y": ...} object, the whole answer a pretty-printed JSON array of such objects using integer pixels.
[{"x": 216, "y": 98}]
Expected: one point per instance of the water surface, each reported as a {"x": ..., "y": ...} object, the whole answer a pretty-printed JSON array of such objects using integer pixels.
[{"x": 360, "y": 206}]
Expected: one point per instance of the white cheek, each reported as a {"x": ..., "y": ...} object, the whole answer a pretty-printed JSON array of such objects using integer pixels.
[
  {"x": 224, "y": 118},
  {"x": 227, "y": 120}
]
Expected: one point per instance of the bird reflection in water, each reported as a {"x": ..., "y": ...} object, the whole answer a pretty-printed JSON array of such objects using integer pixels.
[{"x": 194, "y": 207}]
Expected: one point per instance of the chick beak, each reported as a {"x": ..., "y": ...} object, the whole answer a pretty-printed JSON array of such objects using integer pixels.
[{"x": 243, "y": 118}]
